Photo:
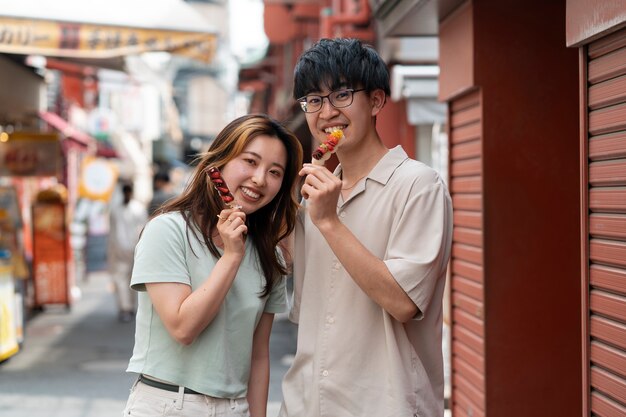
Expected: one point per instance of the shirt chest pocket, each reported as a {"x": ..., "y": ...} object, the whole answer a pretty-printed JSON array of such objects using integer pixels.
[{"x": 373, "y": 229}]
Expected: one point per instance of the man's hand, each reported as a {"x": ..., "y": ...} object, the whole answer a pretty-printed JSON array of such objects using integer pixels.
[{"x": 321, "y": 190}]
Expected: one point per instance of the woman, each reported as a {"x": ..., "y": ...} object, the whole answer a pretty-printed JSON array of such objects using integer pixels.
[{"x": 210, "y": 279}]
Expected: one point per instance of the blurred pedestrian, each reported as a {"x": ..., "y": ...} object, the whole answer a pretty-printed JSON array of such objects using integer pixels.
[
  {"x": 127, "y": 218},
  {"x": 163, "y": 191},
  {"x": 210, "y": 278},
  {"x": 371, "y": 256}
]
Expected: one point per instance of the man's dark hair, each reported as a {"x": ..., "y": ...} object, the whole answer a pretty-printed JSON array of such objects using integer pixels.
[
  {"x": 336, "y": 63},
  {"x": 162, "y": 176},
  {"x": 127, "y": 192}
]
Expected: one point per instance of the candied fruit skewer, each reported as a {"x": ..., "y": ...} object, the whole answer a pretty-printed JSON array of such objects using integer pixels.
[
  {"x": 222, "y": 189},
  {"x": 326, "y": 149}
]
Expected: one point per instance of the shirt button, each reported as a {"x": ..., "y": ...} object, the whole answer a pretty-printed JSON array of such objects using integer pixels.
[
  {"x": 342, "y": 214},
  {"x": 325, "y": 373},
  {"x": 336, "y": 265},
  {"x": 330, "y": 319}
]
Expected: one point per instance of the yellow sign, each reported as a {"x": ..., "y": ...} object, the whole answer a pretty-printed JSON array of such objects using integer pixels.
[
  {"x": 97, "y": 179},
  {"x": 8, "y": 329},
  {"x": 79, "y": 40}
]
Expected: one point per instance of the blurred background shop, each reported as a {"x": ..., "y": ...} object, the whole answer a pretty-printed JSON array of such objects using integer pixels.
[{"x": 95, "y": 93}]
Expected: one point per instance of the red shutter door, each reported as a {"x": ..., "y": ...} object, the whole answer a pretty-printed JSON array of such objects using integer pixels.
[
  {"x": 468, "y": 347},
  {"x": 605, "y": 252}
]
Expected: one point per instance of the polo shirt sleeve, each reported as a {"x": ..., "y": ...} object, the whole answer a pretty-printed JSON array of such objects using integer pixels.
[
  {"x": 160, "y": 253},
  {"x": 277, "y": 300},
  {"x": 419, "y": 244}
]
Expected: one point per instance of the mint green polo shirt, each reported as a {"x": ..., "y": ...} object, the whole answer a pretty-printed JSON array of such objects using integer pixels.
[{"x": 217, "y": 363}]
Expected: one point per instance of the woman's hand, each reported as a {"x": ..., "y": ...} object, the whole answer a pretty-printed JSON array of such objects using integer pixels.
[{"x": 232, "y": 229}]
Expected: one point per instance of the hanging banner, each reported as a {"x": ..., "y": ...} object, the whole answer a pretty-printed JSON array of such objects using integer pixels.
[
  {"x": 29, "y": 154},
  {"x": 90, "y": 41}
]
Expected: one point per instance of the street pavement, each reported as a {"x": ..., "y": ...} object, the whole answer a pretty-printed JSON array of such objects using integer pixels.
[{"x": 73, "y": 363}]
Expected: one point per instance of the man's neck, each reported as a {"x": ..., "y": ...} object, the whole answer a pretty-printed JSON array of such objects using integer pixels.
[{"x": 358, "y": 161}]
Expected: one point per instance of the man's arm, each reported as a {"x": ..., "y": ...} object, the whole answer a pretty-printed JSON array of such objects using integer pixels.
[
  {"x": 369, "y": 272},
  {"x": 321, "y": 189}
]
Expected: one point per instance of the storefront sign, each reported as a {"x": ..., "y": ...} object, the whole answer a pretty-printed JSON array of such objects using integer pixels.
[
  {"x": 78, "y": 40},
  {"x": 30, "y": 154}
]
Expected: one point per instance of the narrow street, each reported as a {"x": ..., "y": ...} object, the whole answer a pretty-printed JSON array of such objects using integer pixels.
[{"x": 73, "y": 363}]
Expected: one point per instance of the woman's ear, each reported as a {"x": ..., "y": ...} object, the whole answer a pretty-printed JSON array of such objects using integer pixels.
[{"x": 378, "y": 98}]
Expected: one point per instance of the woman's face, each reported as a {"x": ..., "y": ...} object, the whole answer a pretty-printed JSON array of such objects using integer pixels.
[{"x": 255, "y": 176}]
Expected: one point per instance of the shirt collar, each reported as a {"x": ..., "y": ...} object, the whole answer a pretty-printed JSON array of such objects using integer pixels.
[{"x": 385, "y": 168}]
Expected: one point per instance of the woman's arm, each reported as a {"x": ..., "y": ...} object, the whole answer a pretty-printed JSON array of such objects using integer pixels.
[
  {"x": 186, "y": 313},
  {"x": 258, "y": 384}
]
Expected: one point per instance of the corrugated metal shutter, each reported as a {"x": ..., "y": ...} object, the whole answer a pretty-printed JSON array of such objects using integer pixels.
[
  {"x": 605, "y": 252},
  {"x": 468, "y": 347}
]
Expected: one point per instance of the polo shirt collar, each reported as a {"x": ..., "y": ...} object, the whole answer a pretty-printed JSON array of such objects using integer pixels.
[
  {"x": 385, "y": 168},
  {"x": 381, "y": 172}
]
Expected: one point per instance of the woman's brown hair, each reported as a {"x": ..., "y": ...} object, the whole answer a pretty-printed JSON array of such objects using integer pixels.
[{"x": 199, "y": 203}]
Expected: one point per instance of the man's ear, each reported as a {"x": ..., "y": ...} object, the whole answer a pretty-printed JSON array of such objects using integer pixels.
[{"x": 378, "y": 98}]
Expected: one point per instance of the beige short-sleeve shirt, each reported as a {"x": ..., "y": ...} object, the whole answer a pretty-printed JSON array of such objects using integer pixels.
[{"x": 353, "y": 358}]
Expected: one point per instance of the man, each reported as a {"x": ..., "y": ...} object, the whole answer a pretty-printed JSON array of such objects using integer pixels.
[
  {"x": 127, "y": 220},
  {"x": 370, "y": 256},
  {"x": 162, "y": 191}
]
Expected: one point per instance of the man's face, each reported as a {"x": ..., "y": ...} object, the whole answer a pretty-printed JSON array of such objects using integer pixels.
[{"x": 356, "y": 119}]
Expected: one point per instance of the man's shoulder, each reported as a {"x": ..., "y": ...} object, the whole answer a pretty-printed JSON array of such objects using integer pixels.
[
  {"x": 412, "y": 172},
  {"x": 163, "y": 195},
  {"x": 159, "y": 198},
  {"x": 137, "y": 206}
]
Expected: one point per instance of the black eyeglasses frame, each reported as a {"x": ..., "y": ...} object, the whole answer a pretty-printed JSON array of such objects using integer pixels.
[{"x": 303, "y": 103}]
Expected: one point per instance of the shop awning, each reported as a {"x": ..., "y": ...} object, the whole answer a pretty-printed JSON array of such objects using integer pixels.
[
  {"x": 104, "y": 29},
  {"x": 77, "y": 136}
]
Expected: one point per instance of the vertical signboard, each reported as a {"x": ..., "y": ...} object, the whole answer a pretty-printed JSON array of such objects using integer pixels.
[
  {"x": 50, "y": 254},
  {"x": 8, "y": 331},
  {"x": 11, "y": 332}
]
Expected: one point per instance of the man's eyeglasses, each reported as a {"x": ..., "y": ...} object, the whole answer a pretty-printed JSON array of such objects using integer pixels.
[{"x": 341, "y": 98}]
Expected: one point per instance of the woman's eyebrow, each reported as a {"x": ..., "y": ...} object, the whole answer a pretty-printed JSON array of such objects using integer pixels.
[{"x": 259, "y": 157}]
